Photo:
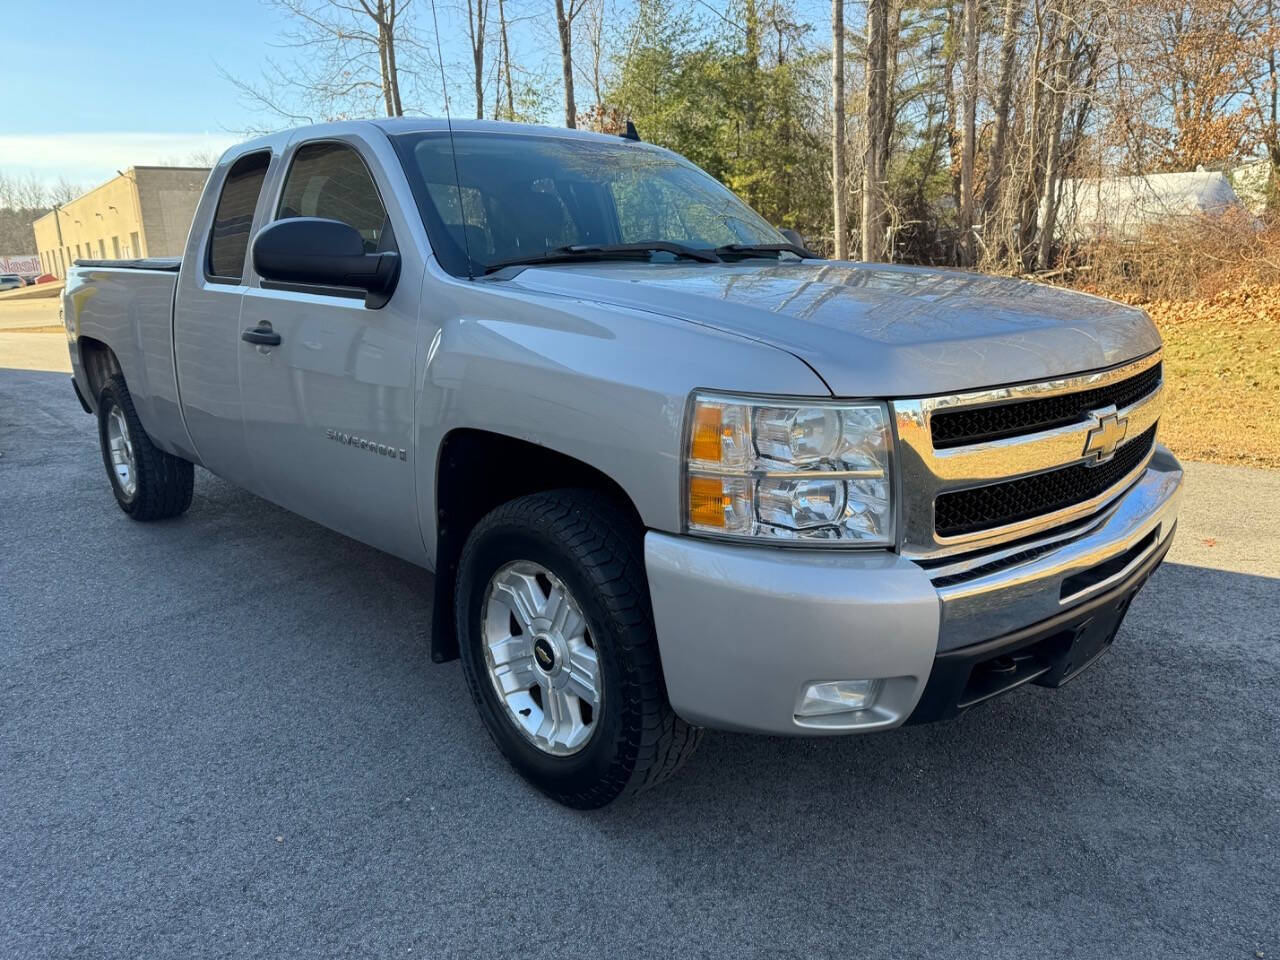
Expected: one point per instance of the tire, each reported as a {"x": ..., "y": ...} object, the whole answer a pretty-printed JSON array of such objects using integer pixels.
[
  {"x": 158, "y": 484},
  {"x": 588, "y": 548}
]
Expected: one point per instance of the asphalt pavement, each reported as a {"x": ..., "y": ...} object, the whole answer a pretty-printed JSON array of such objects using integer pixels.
[{"x": 223, "y": 736}]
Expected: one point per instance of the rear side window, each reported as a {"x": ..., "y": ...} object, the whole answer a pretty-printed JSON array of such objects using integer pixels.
[
  {"x": 229, "y": 239},
  {"x": 329, "y": 180}
]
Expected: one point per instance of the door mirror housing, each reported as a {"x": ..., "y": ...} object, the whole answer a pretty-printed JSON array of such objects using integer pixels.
[
  {"x": 303, "y": 252},
  {"x": 794, "y": 236}
]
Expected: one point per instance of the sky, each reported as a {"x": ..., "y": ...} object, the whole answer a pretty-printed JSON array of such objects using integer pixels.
[
  {"x": 101, "y": 86},
  {"x": 97, "y": 86}
]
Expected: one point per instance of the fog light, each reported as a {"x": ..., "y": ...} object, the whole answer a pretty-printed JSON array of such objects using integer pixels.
[{"x": 837, "y": 696}]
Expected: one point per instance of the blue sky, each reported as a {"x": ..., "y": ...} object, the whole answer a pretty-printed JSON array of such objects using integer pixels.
[
  {"x": 100, "y": 85},
  {"x": 112, "y": 84},
  {"x": 106, "y": 82}
]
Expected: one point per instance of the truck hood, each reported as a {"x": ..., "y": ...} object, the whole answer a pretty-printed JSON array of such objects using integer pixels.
[{"x": 877, "y": 330}]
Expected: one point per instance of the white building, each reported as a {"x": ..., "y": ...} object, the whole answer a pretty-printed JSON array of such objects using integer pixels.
[{"x": 1123, "y": 208}]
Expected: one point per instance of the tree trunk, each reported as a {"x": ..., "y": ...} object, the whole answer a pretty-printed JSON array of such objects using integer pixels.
[
  {"x": 384, "y": 57},
  {"x": 506, "y": 62},
  {"x": 838, "y": 172},
  {"x": 1049, "y": 195},
  {"x": 967, "y": 146},
  {"x": 564, "y": 23},
  {"x": 877, "y": 107},
  {"x": 949, "y": 99},
  {"x": 1004, "y": 99},
  {"x": 751, "y": 95},
  {"x": 395, "y": 76},
  {"x": 1273, "y": 141},
  {"x": 1039, "y": 85},
  {"x": 385, "y": 17},
  {"x": 477, "y": 22}
]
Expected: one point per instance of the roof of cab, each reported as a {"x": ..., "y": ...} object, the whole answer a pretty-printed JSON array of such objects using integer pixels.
[
  {"x": 395, "y": 125},
  {"x": 400, "y": 125}
]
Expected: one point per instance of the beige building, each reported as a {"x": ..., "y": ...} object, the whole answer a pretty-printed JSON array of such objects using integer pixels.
[{"x": 144, "y": 212}]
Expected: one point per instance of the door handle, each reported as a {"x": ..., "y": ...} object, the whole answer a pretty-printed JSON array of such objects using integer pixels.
[{"x": 264, "y": 336}]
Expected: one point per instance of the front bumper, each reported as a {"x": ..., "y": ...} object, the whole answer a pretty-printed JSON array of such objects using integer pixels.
[{"x": 743, "y": 630}]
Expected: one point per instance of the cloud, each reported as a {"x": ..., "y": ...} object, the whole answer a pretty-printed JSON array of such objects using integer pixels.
[{"x": 90, "y": 158}]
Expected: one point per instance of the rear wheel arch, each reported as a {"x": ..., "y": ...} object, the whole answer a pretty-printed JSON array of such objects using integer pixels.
[
  {"x": 100, "y": 364},
  {"x": 477, "y": 471}
]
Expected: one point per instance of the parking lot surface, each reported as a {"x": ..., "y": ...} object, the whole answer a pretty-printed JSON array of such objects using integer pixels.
[{"x": 223, "y": 736}]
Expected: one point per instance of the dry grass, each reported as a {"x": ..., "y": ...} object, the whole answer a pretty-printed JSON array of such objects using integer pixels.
[
  {"x": 1185, "y": 259},
  {"x": 1212, "y": 286},
  {"x": 1222, "y": 368}
]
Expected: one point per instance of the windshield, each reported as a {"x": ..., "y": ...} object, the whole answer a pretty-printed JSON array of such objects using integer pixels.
[{"x": 525, "y": 196}]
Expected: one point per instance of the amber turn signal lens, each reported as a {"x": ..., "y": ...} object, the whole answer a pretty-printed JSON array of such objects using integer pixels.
[
  {"x": 707, "y": 501},
  {"x": 708, "y": 427}
]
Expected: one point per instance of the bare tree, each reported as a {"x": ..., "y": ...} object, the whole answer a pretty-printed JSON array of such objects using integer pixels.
[
  {"x": 477, "y": 30},
  {"x": 504, "y": 68},
  {"x": 565, "y": 15},
  {"x": 839, "y": 174},
  {"x": 1004, "y": 100},
  {"x": 595, "y": 14},
  {"x": 873, "y": 207},
  {"x": 64, "y": 191},
  {"x": 347, "y": 59},
  {"x": 969, "y": 131}
]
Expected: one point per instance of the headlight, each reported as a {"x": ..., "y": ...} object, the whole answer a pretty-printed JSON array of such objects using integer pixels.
[{"x": 810, "y": 471}]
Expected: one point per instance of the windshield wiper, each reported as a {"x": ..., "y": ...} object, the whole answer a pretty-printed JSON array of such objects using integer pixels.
[
  {"x": 764, "y": 250},
  {"x": 606, "y": 251}
]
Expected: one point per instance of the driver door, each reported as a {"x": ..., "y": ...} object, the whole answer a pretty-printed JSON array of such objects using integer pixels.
[{"x": 329, "y": 409}]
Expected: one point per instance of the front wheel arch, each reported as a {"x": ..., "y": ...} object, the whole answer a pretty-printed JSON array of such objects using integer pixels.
[{"x": 478, "y": 471}]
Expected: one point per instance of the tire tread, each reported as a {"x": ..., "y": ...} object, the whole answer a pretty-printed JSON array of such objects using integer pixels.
[
  {"x": 655, "y": 742},
  {"x": 166, "y": 483}
]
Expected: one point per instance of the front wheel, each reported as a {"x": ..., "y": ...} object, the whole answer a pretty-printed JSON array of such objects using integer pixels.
[
  {"x": 149, "y": 483},
  {"x": 558, "y": 646}
]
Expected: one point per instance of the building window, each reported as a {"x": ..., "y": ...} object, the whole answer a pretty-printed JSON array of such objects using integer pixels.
[
  {"x": 135, "y": 244},
  {"x": 232, "y": 221},
  {"x": 115, "y": 247},
  {"x": 102, "y": 249}
]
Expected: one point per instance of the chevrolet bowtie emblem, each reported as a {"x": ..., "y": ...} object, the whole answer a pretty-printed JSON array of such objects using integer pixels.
[{"x": 1104, "y": 435}]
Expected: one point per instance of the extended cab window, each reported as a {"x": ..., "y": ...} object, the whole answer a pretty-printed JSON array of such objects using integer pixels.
[
  {"x": 229, "y": 239},
  {"x": 329, "y": 180}
]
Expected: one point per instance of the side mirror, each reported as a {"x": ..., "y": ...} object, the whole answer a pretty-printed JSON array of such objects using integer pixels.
[
  {"x": 328, "y": 253},
  {"x": 794, "y": 236}
]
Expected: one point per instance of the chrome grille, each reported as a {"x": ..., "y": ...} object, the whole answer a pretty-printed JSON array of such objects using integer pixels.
[
  {"x": 982, "y": 508},
  {"x": 956, "y": 428},
  {"x": 962, "y": 495}
]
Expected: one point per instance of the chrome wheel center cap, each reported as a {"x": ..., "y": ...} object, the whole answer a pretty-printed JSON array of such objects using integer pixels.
[
  {"x": 545, "y": 655},
  {"x": 541, "y": 658}
]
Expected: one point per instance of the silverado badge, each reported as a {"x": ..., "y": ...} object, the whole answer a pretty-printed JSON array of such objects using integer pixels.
[{"x": 379, "y": 448}]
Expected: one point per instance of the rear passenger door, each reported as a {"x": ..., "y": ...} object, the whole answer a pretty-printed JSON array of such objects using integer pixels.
[
  {"x": 206, "y": 328},
  {"x": 329, "y": 412}
]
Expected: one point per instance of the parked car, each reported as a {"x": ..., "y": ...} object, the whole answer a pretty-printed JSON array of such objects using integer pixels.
[
  {"x": 671, "y": 470},
  {"x": 11, "y": 281},
  {"x": 45, "y": 278}
]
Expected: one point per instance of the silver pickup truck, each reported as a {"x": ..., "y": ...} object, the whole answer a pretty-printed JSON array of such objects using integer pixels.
[{"x": 671, "y": 470}]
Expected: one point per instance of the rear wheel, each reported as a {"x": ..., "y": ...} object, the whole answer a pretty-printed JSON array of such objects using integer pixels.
[
  {"x": 557, "y": 643},
  {"x": 149, "y": 483}
]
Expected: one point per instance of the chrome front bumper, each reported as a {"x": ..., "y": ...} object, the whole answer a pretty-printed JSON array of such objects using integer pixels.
[
  {"x": 1002, "y": 590},
  {"x": 743, "y": 630}
]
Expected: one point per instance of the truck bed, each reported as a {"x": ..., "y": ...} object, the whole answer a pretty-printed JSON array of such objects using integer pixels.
[
  {"x": 128, "y": 305},
  {"x": 164, "y": 264}
]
